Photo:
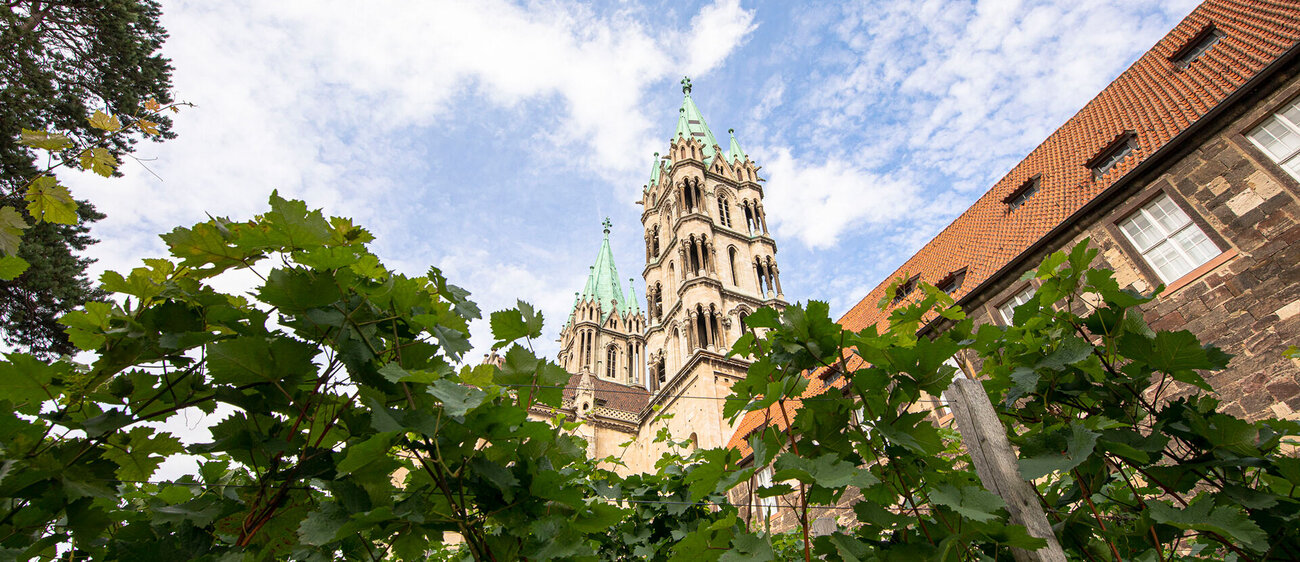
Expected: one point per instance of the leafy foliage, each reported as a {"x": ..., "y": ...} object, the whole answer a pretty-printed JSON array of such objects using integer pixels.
[
  {"x": 351, "y": 428},
  {"x": 1114, "y": 422},
  {"x": 65, "y": 62}
]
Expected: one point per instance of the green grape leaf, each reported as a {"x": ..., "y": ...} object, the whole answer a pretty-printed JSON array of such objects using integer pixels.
[
  {"x": 26, "y": 381},
  {"x": 99, "y": 160},
  {"x": 104, "y": 121},
  {"x": 361, "y": 454},
  {"x": 457, "y": 399},
  {"x": 86, "y": 327},
  {"x": 1229, "y": 521},
  {"x": 206, "y": 245},
  {"x": 322, "y": 524},
  {"x": 1079, "y": 445},
  {"x": 50, "y": 202},
  {"x": 1176, "y": 353},
  {"x": 139, "y": 451},
  {"x": 44, "y": 140},
  {"x": 507, "y": 326},
  {"x": 248, "y": 360},
  {"x": 969, "y": 501},
  {"x": 293, "y": 291},
  {"x": 289, "y": 225},
  {"x": 12, "y": 225},
  {"x": 11, "y": 267},
  {"x": 828, "y": 470},
  {"x": 478, "y": 375}
]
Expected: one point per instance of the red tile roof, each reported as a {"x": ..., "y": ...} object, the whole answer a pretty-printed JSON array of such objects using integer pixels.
[
  {"x": 617, "y": 396},
  {"x": 1153, "y": 98}
]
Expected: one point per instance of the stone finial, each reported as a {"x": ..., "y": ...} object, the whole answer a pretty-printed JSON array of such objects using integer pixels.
[
  {"x": 607, "y": 225},
  {"x": 686, "y": 85}
]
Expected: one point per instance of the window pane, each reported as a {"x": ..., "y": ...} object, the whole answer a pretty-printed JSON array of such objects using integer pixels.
[
  {"x": 1167, "y": 262},
  {"x": 1293, "y": 166},
  {"x": 1007, "y": 311},
  {"x": 1292, "y": 113},
  {"x": 1196, "y": 245},
  {"x": 1276, "y": 138},
  {"x": 1168, "y": 214},
  {"x": 1141, "y": 232},
  {"x": 1172, "y": 245}
]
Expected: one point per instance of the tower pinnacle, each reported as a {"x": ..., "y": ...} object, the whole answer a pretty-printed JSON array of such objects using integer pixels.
[
  {"x": 607, "y": 224},
  {"x": 686, "y": 85}
]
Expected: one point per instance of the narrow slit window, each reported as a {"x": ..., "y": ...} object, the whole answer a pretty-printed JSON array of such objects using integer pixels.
[
  {"x": 905, "y": 289},
  {"x": 1197, "y": 46},
  {"x": 953, "y": 281},
  {"x": 1022, "y": 194},
  {"x": 1114, "y": 154}
]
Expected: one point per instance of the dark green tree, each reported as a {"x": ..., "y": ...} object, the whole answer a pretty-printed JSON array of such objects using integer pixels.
[{"x": 60, "y": 61}]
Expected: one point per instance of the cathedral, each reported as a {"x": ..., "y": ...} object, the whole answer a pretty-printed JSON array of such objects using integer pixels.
[{"x": 709, "y": 262}]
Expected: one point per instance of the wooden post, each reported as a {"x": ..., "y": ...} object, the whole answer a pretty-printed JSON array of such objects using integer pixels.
[{"x": 986, "y": 440}]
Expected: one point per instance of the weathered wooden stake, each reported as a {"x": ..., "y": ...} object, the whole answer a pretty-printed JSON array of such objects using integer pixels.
[{"x": 986, "y": 440}]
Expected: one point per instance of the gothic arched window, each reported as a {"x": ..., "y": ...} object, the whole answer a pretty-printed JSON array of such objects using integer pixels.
[
  {"x": 724, "y": 212},
  {"x": 731, "y": 260},
  {"x": 611, "y": 361},
  {"x": 694, "y": 253},
  {"x": 654, "y": 242}
]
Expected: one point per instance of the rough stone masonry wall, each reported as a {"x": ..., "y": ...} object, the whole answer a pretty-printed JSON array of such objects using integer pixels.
[{"x": 1249, "y": 304}]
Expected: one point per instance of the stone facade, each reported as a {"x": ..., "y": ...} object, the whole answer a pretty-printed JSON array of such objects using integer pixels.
[
  {"x": 1246, "y": 300},
  {"x": 710, "y": 262},
  {"x": 1194, "y": 128}
]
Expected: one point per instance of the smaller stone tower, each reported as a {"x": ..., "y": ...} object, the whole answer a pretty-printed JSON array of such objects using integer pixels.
[{"x": 604, "y": 335}]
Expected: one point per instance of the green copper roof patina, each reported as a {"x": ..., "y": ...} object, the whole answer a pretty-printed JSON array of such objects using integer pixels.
[
  {"x": 735, "y": 155},
  {"x": 690, "y": 123},
  {"x": 654, "y": 172},
  {"x": 633, "y": 304},
  {"x": 602, "y": 284}
]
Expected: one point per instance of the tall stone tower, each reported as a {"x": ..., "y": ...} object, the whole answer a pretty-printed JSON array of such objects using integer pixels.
[
  {"x": 710, "y": 262},
  {"x": 604, "y": 334}
]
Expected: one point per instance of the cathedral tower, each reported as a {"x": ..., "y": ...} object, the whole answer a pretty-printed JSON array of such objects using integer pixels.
[
  {"x": 604, "y": 333},
  {"x": 710, "y": 262}
]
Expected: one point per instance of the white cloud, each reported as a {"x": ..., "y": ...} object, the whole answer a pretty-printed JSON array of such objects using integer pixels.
[
  {"x": 717, "y": 30},
  {"x": 333, "y": 102},
  {"x": 816, "y": 203}
]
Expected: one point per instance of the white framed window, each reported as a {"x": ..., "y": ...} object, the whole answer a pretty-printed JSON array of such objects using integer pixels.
[
  {"x": 944, "y": 409},
  {"x": 1008, "y": 309},
  {"x": 1279, "y": 138},
  {"x": 766, "y": 506},
  {"x": 1168, "y": 239}
]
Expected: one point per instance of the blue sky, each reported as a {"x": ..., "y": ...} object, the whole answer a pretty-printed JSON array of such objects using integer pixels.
[{"x": 490, "y": 138}]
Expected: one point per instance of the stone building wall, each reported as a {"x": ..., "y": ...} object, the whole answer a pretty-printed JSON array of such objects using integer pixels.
[{"x": 1246, "y": 301}]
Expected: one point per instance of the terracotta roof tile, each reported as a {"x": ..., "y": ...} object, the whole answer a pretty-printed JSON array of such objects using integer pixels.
[
  {"x": 1153, "y": 98},
  {"x": 617, "y": 396}
]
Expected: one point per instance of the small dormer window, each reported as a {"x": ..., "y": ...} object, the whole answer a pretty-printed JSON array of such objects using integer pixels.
[
  {"x": 905, "y": 289},
  {"x": 951, "y": 282},
  {"x": 1198, "y": 45},
  {"x": 1021, "y": 194},
  {"x": 831, "y": 376},
  {"x": 1113, "y": 154}
]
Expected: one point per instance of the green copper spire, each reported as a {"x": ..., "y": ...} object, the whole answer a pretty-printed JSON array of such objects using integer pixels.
[
  {"x": 602, "y": 282},
  {"x": 654, "y": 172},
  {"x": 735, "y": 154},
  {"x": 690, "y": 123},
  {"x": 633, "y": 305}
]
